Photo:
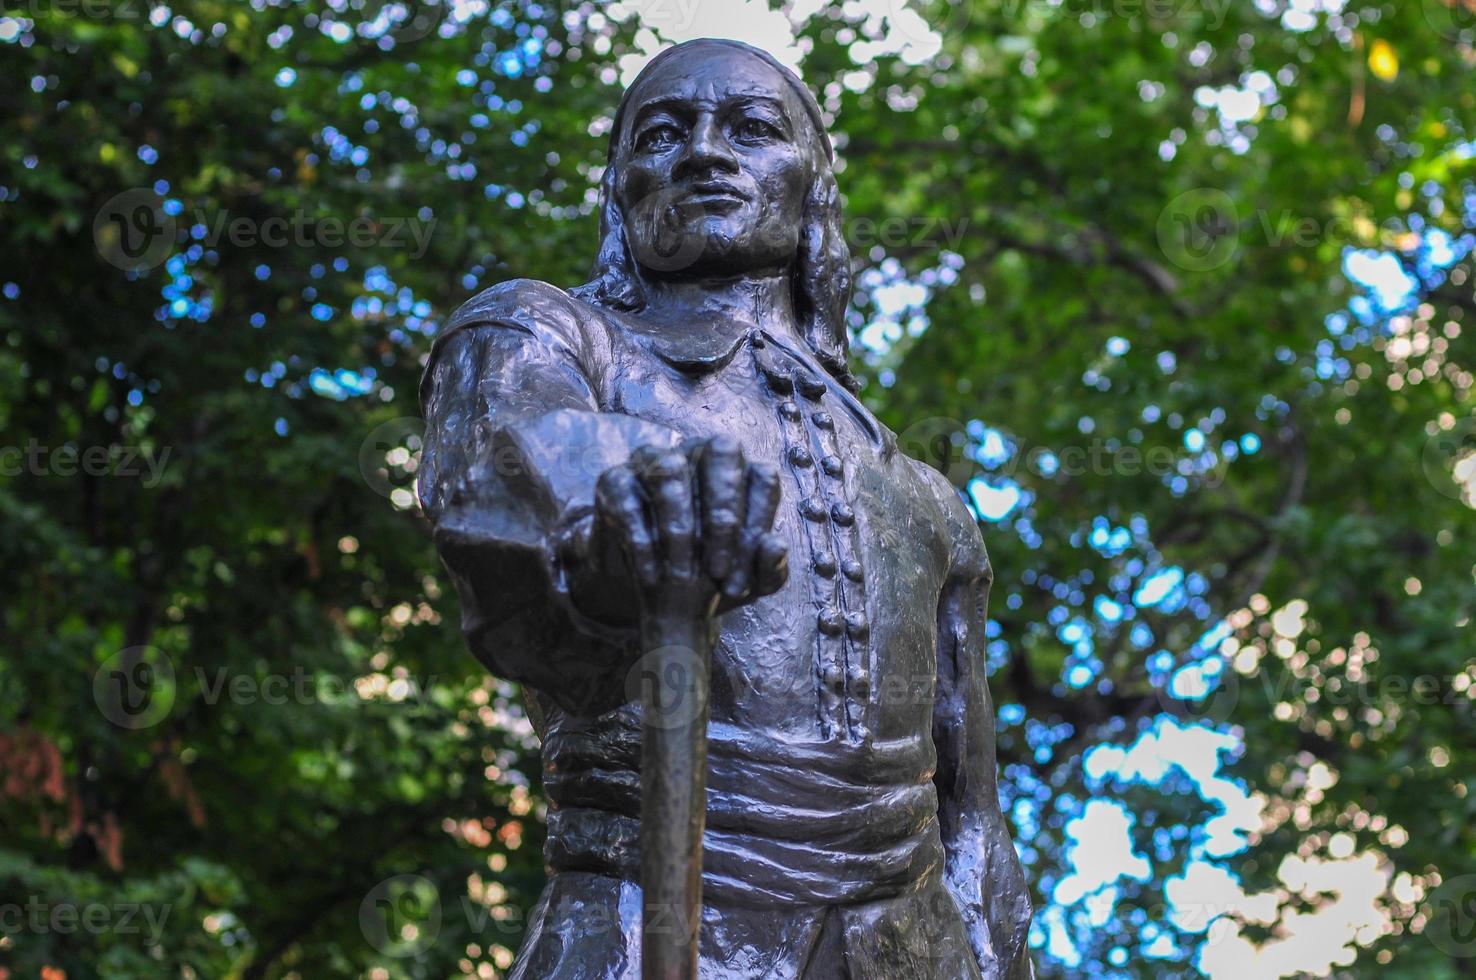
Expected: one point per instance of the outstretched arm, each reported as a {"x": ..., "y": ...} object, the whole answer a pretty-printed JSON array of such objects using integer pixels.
[
  {"x": 564, "y": 526},
  {"x": 982, "y": 869},
  {"x": 514, "y": 445}
]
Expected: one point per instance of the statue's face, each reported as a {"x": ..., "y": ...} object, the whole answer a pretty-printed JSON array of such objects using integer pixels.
[{"x": 714, "y": 164}]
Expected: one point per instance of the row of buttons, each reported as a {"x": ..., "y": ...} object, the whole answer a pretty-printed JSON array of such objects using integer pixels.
[
  {"x": 855, "y": 625},
  {"x": 791, "y": 413},
  {"x": 832, "y": 465},
  {"x": 824, "y": 563},
  {"x": 851, "y": 684},
  {"x": 813, "y": 508},
  {"x": 844, "y": 681}
]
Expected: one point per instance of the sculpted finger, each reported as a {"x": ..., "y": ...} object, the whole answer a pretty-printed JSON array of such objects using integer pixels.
[
  {"x": 720, "y": 489},
  {"x": 770, "y": 565},
  {"x": 668, "y": 483},
  {"x": 621, "y": 511},
  {"x": 761, "y": 502}
]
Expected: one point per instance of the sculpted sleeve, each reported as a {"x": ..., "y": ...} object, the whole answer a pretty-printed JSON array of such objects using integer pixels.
[
  {"x": 514, "y": 444},
  {"x": 982, "y": 869}
]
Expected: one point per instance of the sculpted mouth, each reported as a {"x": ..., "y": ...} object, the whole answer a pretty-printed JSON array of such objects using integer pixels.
[{"x": 713, "y": 192}]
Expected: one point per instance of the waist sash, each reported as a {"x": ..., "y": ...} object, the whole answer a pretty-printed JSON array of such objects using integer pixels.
[{"x": 788, "y": 823}]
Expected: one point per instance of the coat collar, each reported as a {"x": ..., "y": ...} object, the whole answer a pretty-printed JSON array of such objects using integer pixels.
[
  {"x": 705, "y": 348},
  {"x": 693, "y": 348}
]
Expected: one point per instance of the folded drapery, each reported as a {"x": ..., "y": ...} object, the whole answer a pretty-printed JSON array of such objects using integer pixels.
[{"x": 787, "y": 823}]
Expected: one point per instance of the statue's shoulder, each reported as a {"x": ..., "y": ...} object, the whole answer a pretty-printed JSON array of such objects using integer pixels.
[
  {"x": 542, "y": 309},
  {"x": 554, "y": 322}
]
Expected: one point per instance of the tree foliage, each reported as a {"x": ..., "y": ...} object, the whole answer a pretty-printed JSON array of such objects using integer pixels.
[{"x": 1088, "y": 237}]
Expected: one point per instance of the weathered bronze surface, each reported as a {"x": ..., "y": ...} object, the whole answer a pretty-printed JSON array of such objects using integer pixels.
[{"x": 669, "y": 517}]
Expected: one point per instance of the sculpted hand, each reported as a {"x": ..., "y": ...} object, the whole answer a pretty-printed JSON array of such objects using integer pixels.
[{"x": 693, "y": 527}]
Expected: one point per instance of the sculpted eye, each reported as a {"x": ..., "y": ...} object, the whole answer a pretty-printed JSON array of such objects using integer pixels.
[
  {"x": 754, "y": 130},
  {"x": 660, "y": 137}
]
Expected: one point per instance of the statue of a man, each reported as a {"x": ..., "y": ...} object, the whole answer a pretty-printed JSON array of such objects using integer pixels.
[{"x": 683, "y": 429}]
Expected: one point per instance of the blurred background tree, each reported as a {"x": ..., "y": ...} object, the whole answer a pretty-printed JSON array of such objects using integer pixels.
[{"x": 1179, "y": 293}]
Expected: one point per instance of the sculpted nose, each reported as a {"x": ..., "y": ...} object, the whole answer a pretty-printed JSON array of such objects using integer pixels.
[{"x": 707, "y": 149}]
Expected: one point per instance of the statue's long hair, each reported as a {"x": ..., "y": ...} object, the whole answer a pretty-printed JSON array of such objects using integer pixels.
[{"x": 822, "y": 269}]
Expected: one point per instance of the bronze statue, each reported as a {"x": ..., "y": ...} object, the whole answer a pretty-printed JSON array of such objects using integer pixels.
[{"x": 669, "y": 517}]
